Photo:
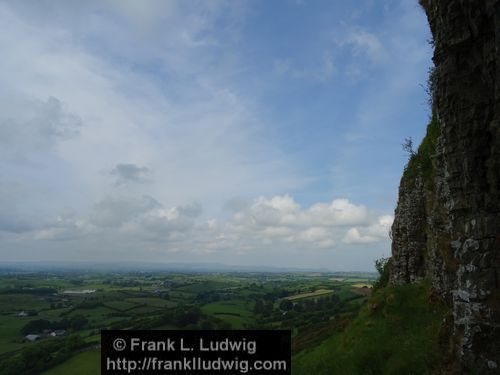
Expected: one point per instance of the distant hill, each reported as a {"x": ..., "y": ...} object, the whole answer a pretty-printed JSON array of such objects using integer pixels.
[{"x": 143, "y": 266}]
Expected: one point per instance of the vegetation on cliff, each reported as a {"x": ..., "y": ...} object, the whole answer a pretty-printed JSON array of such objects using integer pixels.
[
  {"x": 396, "y": 332},
  {"x": 420, "y": 162}
]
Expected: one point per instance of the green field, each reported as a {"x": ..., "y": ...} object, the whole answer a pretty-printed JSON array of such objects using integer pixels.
[
  {"x": 95, "y": 315},
  {"x": 11, "y": 338},
  {"x": 13, "y": 303},
  {"x": 160, "y": 300},
  {"x": 317, "y": 293},
  {"x": 120, "y": 305},
  {"x": 86, "y": 363},
  {"x": 153, "y": 302},
  {"x": 205, "y": 286},
  {"x": 236, "y": 312}
]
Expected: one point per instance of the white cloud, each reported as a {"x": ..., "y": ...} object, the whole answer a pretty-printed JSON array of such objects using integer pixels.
[
  {"x": 133, "y": 88},
  {"x": 353, "y": 236},
  {"x": 203, "y": 140},
  {"x": 277, "y": 222},
  {"x": 364, "y": 43},
  {"x": 283, "y": 222},
  {"x": 314, "y": 234},
  {"x": 283, "y": 210},
  {"x": 338, "y": 212},
  {"x": 374, "y": 232}
]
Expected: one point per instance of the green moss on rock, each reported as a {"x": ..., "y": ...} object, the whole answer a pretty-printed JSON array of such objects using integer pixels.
[{"x": 420, "y": 163}]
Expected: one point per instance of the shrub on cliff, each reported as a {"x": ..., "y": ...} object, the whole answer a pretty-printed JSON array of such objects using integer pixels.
[{"x": 383, "y": 266}]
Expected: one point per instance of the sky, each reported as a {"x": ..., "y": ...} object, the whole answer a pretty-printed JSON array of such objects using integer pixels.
[{"x": 237, "y": 132}]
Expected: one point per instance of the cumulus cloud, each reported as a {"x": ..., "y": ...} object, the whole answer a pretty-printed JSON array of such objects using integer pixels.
[
  {"x": 374, "y": 232},
  {"x": 338, "y": 212},
  {"x": 283, "y": 210},
  {"x": 353, "y": 236},
  {"x": 162, "y": 223},
  {"x": 280, "y": 220}
]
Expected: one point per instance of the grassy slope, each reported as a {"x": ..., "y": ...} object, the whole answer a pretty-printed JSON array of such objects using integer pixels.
[{"x": 396, "y": 332}]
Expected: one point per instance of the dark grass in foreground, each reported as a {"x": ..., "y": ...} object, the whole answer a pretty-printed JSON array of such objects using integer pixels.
[{"x": 396, "y": 332}]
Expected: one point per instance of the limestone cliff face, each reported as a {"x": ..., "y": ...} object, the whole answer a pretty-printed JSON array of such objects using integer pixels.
[{"x": 447, "y": 222}]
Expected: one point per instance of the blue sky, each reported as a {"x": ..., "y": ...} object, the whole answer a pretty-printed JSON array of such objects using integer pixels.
[{"x": 241, "y": 132}]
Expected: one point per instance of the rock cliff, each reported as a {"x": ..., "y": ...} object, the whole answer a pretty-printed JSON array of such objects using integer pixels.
[{"x": 447, "y": 222}]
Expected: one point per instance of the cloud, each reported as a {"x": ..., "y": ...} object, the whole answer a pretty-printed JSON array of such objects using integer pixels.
[
  {"x": 14, "y": 224},
  {"x": 364, "y": 43},
  {"x": 13, "y": 218},
  {"x": 182, "y": 92},
  {"x": 374, "y": 232},
  {"x": 166, "y": 106},
  {"x": 354, "y": 237},
  {"x": 283, "y": 210},
  {"x": 281, "y": 221},
  {"x": 281, "y": 66},
  {"x": 320, "y": 69},
  {"x": 129, "y": 173},
  {"x": 277, "y": 222},
  {"x": 115, "y": 211},
  {"x": 338, "y": 212},
  {"x": 123, "y": 219},
  {"x": 28, "y": 127},
  {"x": 65, "y": 228},
  {"x": 163, "y": 224}
]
